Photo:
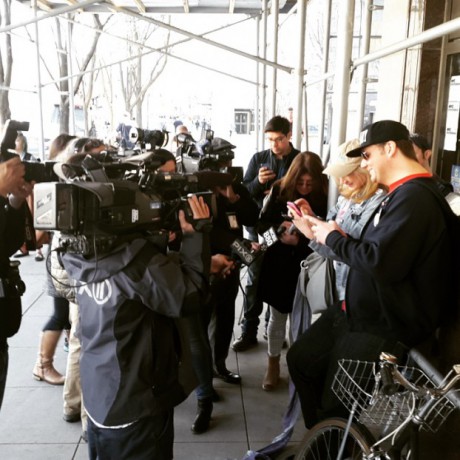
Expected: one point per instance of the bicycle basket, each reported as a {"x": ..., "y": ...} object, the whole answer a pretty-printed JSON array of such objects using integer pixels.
[{"x": 356, "y": 386}]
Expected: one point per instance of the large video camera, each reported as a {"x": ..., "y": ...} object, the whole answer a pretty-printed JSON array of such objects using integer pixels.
[
  {"x": 103, "y": 201},
  {"x": 34, "y": 171},
  {"x": 210, "y": 153},
  {"x": 148, "y": 139}
]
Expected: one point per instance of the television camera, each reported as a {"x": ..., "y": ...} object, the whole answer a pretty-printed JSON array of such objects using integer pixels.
[
  {"x": 34, "y": 171},
  {"x": 104, "y": 200},
  {"x": 147, "y": 139},
  {"x": 211, "y": 153}
]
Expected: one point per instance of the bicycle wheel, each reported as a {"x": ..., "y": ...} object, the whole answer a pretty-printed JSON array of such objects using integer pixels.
[{"x": 323, "y": 441}]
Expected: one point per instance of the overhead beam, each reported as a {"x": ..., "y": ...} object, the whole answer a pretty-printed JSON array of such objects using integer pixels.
[
  {"x": 53, "y": 13},
  {"x": 199, "y": 38}
]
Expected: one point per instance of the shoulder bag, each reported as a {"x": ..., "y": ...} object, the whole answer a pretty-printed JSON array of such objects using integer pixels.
[{"x": 317, "y": 282}]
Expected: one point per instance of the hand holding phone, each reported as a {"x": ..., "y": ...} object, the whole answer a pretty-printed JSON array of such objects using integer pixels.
[
  {"x": 293, "y": 207},
  {"x": 266, "y": 174}
]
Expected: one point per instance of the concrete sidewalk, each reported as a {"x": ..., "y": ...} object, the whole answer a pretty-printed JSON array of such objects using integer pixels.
[{"x": 31, "y": 424}]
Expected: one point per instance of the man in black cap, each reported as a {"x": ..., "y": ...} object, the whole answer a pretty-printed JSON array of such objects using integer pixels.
[{"x": 405, "y": 251}]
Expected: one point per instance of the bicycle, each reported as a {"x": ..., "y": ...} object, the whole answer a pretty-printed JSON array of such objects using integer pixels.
[{"x": 388, "y": 406}]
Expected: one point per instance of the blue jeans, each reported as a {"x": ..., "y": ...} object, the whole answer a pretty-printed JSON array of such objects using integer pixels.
[
  {"x": 148, "y": 438},
  {"x": 3, "y": 368},
  {"x": 312, "y": 361}
]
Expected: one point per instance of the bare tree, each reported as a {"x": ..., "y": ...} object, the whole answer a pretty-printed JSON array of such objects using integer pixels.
[
  {"x": 62, "y": 83},
  {"x": 135, "y": 78},
  {"x": 6, "y": 62}
]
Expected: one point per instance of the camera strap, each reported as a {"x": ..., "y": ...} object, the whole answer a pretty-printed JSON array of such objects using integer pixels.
[{"x": 31, "y": 242}]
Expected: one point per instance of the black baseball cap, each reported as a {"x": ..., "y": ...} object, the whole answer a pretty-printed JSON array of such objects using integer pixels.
[{"x": 379, "y": 133}]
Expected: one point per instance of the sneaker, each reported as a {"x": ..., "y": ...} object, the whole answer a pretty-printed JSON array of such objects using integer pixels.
[{"x": 244, "y": 343}]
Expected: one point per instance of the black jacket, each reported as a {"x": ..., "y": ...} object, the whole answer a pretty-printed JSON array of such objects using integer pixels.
[
  {"x": 131, "y": 356},
  {"x": 279, "y": 167},
  {"x": 401, "y": 282},
  {"x": 12, "y": 234},
  {"x": 281, "y": 263},
  {"x": 243, "y": 212}
]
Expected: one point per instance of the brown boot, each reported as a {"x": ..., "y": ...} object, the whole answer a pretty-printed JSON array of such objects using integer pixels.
[
  {"x": 273, "y": 373},
  {"x": 44, "y": 369}
]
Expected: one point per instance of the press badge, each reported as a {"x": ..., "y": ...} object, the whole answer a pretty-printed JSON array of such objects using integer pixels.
[{"x": 233, "y": 221}]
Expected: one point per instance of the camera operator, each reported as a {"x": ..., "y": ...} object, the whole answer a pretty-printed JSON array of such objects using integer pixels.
[
  {"x": 13, "y": 193},
  {"x": 131, "y": 357},
  {"x": 197, "y": 324},
  {"x": 235, "y": 208}
]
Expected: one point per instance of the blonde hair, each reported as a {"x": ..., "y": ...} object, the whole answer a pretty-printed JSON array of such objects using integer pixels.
[{"x": 363, "y": 193}]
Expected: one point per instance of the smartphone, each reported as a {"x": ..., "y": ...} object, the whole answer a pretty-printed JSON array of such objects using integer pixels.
[
  {"x": 266, "y": 165},
  {"x": 294, "y": 208}
]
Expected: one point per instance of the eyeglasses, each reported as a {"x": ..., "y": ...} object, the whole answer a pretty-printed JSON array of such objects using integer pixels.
[{"x": 276, "y": 140}]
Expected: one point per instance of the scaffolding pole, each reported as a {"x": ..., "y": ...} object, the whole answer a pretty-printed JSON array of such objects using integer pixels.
[
  {"x": 275, "y": 21},
  {"x": 41, "y": 131},
  {"x": 365, "y": 46},
  {"x": 263, "y": 89},
  {"x": 299, "y": 75},
  {"x": 326, "y": 39},
  {"x": 341, "y": 84}
]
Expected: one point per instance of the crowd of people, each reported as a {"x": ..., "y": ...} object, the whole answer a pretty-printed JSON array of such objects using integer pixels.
[{"x": 150, "y": 323}]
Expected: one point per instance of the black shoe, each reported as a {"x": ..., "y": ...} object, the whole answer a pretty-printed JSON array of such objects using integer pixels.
[
  {"x": 72, "y": 418},
  {"x": 20, "y": 254},
  {"x": 244, "y": 343},
  {"x": 203, "y": 416},
  {"x": 227, "y": 376},
  {"x": 215, "y": 396}
]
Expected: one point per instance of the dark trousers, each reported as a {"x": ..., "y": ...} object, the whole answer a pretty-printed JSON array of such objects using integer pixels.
[
  {"x": 252, "y": 305},
  {"x": 224, "y": 292},
  {"x": 3, "y": 367},
  {"x": 148, "y": 438},
  {"x": 312, "y": 362},
  {"x": 201, "y": 352}
]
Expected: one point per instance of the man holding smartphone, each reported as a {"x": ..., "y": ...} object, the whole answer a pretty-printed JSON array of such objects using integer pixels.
[
  {"x": 265, "y": 167},
  {"x": 402, "y": 281}
]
